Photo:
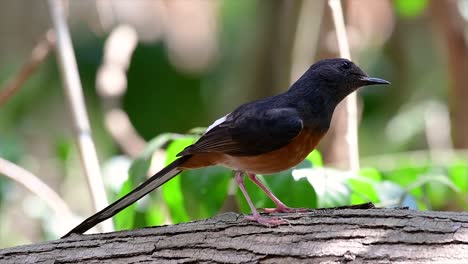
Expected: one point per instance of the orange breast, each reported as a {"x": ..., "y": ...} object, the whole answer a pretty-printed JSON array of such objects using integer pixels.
[
  {"x": 277, "y": 160},
  {"x": 271, "y": 162}
]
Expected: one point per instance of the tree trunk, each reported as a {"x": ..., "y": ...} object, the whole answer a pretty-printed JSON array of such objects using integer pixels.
[
  {"x": 327, "y": 235},
  {"x": 451, "y": 25}
]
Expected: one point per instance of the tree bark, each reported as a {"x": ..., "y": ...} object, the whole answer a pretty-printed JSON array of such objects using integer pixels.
[{"x": 327, "y": 235}]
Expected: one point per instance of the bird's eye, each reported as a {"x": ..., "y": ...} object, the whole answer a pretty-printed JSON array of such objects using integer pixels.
[{"x": 346, "y": 65}]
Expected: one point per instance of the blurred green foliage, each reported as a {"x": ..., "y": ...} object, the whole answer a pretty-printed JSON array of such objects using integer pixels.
[
  {"x": 184, "y": 91},
  {"x": 34, "y": 125},
  {"x": 410, "y": 8},
  {"x": 202, "y": 193}
]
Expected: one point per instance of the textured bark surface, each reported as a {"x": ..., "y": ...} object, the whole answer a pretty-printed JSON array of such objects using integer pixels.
[{"x": 331, "y": 236}]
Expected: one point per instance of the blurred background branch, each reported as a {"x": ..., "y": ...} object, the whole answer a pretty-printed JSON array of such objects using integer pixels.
[
  {"x": 111, "y": 84},
  {"x": 41, "y": 190},
  {"x": 37, "y": 57},
  {"x": 73, "y": 89},
  {"x": 351, "y": 131},
  {"x": 309, "y": 22},
  {"x": 452, "y": 26}
]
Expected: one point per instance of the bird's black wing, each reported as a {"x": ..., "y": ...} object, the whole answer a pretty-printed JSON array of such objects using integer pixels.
[{"x": 250, "y": 132}]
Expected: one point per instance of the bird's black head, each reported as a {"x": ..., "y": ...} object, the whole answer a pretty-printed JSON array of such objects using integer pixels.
[
  {"x": 343, "y": 73},
  {"x": 337, "y": 77}
]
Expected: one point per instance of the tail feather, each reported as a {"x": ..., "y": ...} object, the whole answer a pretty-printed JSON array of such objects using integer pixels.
[{"x": 147, "y": 186}]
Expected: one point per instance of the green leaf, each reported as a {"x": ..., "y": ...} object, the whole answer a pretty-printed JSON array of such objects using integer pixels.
[
  {"x": 458, "y": 173},
  {"x": 410, "y": 8},
  {"x": 430, "y": 189},
  {"x": 330, "y": 185},
  {"x": 440, "y": 188},
  {"x": 63, "y": 149},
  {"x": 172, "y": 190},
  {"x": 391, "y": 194},
  {"x": 315, "y": 158},
  {"x": 126, "y": 218},
  {"x": 205, "y": 190},
  {"x": 406, "y": 176},
  {"x": 137, "y": 173},
  {"x": 157, "y": 143},
  {"x": 177, "y": 146},
  {"x": 154, "y": 212},
  {"x": 148, "y": 210},
  {"x": 433, "y": 178},
  {"x": 363, "y": 186},
  {"x": 138, "y": 170},
  {"x": 297, "y": 193},
  {"x": 371, "y": 173}
]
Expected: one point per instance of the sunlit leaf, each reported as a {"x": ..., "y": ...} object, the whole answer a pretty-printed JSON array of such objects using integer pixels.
[
  {"x": 126, "y": 218},
  {"x": 297, "y": 193},
  {"x": 363, "y": 186},
  {"x": 410, "y": 8},
  {"x": 421, "y": 205},
  {"x": 154, "y": 213},
  {"x": 315, "y": 158},
  {"x": 371, "y": 173},
  {"x": 440, "y": 188},
  {"x": 177, "y": 146},
  {"x": 130, "y": 217},
  {"x": 406, "y": 176},
  {"x": 330, "y": 185},
  {"x": 433, "y": 178},
  {"x": 146, "y": 210},
  {"x": 458, "y": 173},
  {"x": 390, "y": 194},
  {"x": 172, "y": 190},
  {"x": 136, "y": 174}
]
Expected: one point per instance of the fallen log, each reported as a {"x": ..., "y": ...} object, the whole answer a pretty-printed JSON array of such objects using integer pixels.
[{"x": 327, "y": 235}]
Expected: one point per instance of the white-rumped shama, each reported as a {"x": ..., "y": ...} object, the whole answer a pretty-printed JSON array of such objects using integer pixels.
[{"x": 261, "y": 137}]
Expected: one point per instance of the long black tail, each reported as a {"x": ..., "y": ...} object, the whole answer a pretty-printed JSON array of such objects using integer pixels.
[{"x": 147, "y": 186}]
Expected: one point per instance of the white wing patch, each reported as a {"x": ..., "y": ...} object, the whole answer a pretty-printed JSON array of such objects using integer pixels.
[{"x": 217, "y": 122}]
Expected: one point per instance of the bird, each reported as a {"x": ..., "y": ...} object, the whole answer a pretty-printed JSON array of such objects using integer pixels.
[{"x": 265, "y": 136}]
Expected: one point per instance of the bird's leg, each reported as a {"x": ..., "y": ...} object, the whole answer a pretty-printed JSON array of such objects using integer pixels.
[
  {"x": 280, "y": 206},
  {"x": 239, "y": 177}
]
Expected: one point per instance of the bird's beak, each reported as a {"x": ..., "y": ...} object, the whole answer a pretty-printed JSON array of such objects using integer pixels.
[{"x": 371, "y": 80}]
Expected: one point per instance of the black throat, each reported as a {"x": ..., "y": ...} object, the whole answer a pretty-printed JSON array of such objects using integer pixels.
[{"x": 316, "y": 101}]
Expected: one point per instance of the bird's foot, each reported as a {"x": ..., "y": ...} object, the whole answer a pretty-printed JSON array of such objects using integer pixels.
[
  {"x": 283, "y": 209},
  {"x": 266, "y": 221}
]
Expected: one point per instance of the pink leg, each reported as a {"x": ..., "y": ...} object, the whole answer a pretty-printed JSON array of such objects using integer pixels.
[
  {"x": 239, "y": 177},
  {"x": 280, "y": 206}
]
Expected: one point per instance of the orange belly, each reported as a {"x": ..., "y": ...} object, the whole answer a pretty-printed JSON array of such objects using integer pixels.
[{"x": 267, "y": 163}]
